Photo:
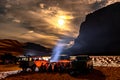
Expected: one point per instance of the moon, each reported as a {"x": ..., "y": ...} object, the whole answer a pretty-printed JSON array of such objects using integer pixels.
[{"x": 61, "y": 22}]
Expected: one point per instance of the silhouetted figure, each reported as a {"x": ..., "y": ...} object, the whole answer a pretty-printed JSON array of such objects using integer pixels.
[
  {"x": 56, "y": 67},
  {"x": 62, "y": 68},
  {"x": 41, "y": 68},
  {"x": 50, "y": 68},
  {"x": 46, "y": 66},
  {"x": 67, "y": 67}
]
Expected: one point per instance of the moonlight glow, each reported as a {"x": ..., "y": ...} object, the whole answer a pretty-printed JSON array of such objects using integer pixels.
[{"x": 61, "y": 22}]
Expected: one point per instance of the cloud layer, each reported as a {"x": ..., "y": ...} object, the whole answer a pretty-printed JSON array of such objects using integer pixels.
[{"x": 37, "y": 20}]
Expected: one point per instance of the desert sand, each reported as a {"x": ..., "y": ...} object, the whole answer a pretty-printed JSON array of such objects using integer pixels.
[{"x": 105, "y": 68}]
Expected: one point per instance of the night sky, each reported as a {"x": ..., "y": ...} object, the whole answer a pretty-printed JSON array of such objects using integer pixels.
[{"x": 45, "y": 22}]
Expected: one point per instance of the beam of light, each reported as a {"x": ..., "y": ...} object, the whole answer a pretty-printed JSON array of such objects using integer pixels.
[{"x": 57, "y": 51}]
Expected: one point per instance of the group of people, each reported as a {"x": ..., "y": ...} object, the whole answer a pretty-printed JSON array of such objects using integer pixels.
[
  {"x": 60, "y": 67},
  {"x": 55, "y": 67}
]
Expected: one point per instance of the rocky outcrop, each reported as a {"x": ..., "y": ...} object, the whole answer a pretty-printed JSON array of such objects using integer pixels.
[{"x": 100, "y": 32}]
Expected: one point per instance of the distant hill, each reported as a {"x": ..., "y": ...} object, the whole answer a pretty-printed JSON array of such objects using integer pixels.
[
  {"x": 11, "y": 46},
  {"x": 35, "y": 49},
  {"x": 17, "y": 48},
  {"x": 100, "y": 32}
]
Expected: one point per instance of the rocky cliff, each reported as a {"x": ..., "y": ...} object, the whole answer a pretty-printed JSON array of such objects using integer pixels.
[{"x": 100, "y": 32}]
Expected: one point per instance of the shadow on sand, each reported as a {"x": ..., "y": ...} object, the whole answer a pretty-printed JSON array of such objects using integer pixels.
[{"x": 94, "y": 75}]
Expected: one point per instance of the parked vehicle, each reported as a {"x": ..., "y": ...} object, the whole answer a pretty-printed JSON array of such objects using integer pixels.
[{"x": 81, "y": 65}]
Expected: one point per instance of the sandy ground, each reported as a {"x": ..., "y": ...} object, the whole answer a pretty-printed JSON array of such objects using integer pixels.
[
  {"x": 99, "y": 73},
  {"x": 108, "y": 61},
  {"x": 106, "y": 68},
  {"x": 9, "y": 67}
]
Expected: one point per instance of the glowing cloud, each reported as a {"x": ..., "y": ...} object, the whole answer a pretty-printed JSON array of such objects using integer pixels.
[{"x": 39, "y": 20}]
